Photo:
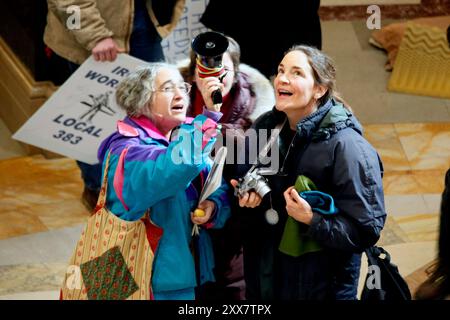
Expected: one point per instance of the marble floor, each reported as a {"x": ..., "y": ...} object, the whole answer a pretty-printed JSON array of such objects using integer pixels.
[{"x": 41, "y": 214}]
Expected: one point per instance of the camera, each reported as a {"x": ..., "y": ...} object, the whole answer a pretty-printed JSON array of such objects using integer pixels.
[{"x": 254, "y": 180}]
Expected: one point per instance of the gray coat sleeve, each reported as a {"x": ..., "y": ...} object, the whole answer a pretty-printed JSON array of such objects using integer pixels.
[{"x": 358, "y": 194}]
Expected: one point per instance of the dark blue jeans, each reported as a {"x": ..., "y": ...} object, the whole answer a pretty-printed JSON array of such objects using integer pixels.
[
  {"x": 145, "y": 41},
  {"x": 147, "y": 45}
]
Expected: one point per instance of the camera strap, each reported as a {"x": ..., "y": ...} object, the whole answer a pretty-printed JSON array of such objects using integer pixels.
[{"x": 269, "y": 144}]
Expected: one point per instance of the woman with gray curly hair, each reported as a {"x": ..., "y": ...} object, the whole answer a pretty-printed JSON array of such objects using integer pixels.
[{"x": 151, "y": 169}]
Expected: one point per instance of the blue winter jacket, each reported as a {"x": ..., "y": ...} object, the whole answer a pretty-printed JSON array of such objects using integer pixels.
[{"x": 159, "y": 175}]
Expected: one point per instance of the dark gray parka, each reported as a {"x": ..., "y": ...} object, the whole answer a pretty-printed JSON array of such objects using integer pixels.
[{"x": 327, "y": 147}]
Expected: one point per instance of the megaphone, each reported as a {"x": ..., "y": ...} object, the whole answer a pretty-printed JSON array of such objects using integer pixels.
[{"x": 210, "y": 47}]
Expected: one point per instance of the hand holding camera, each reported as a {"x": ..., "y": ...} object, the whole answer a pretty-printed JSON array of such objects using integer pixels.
[
  {"x": 250, "y": 199},
  {"x": 254, "y": 180}
]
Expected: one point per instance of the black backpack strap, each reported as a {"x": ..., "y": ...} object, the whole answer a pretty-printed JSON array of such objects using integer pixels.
[
  {"x": 377, "y": 252},
  {"x": 394, "y": 286}
]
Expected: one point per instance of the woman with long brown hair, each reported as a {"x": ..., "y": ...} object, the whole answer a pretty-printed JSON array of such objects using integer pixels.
[{"x": 322, "y": 140}]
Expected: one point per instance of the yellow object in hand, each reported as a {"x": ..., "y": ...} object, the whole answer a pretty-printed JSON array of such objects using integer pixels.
[{"x": 199, "y": 213}]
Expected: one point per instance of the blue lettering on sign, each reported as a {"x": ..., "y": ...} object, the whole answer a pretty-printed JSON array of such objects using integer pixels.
[
  {"x": 197, "y": 17},
  {"x": 182, "y": 43},
  {"x": 120, "y": 71},
  {"x": 78, "y": 125},
  {"x": 177, "y": 45},
  {"x": 196, "y": 31},
  {"x": 67, "y": 137},
  {"x": 103, "y": 79},
  {"x": 184, "y": 32}
]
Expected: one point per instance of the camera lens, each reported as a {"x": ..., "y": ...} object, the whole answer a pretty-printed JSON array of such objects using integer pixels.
[{"x": 262, "y": 188}]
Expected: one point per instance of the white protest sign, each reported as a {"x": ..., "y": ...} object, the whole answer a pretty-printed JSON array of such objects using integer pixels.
[
  {"x": 82, "y": 112},
  {"x": 177, "y": 45}
]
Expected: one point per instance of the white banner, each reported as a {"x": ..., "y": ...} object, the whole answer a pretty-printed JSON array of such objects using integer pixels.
[
  {"x": 177, "y": 45},
  {"x": 82, "y": 112}
]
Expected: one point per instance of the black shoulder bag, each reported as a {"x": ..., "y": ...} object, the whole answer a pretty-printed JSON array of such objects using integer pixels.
[{"x": 383, "y": 280}]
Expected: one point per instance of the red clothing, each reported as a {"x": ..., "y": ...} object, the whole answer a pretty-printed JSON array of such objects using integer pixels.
[{"x": 237, "y": 105}]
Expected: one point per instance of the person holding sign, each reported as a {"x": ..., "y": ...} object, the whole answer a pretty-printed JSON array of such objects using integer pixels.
[
  {"x": 320, "y": 139},
  {"x": 158, "y": 159},
  {"x": 77, "y": 29}
]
